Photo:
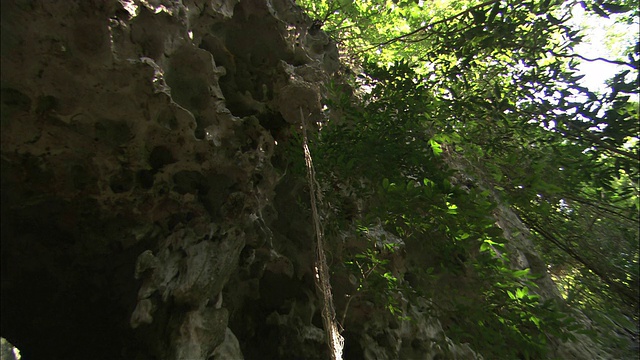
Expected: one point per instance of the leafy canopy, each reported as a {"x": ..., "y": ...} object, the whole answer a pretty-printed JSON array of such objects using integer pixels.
[{"x": 459, "y": 106}]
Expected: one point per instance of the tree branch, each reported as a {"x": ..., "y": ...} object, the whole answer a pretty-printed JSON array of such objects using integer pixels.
[
  {"x": 614, "y": 62},
  {"x": 615, "y": 286},
  {"x": 423, "y": 28}
]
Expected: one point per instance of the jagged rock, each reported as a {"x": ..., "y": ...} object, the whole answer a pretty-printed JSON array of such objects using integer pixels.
[
  {"x": 148, "y": 209},
  {"x": 229, "y": 349},
  {"x": 8, "y": 351},
  {"x": 137, "y": 139}
]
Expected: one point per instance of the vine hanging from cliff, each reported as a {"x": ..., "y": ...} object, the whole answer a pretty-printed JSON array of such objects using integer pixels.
[{"x": 334, "y": 339}]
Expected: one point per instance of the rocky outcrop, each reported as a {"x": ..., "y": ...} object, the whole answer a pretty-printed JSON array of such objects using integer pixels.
[
  {"x": 137, "y": 176},
  {"x": 8, "y": 351},
  {"x": 149, "y": 210}
]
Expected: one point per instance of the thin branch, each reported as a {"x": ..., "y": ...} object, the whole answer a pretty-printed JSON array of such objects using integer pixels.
[
  {"x": 608, "y": 208},
  {"x": 595, "y": 140},
  {"x": 423, "y": 28},
  {"x": 614, "y": 62},
  {"x": 562, "y": 245},
  {"x": 346, "y": 308}
]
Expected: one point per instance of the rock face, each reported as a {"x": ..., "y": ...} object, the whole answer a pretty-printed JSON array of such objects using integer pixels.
[
  {"x": 8, "y": 351},
  {"x": 137, "y": 176},
  {"x": 148, "y": 208}
]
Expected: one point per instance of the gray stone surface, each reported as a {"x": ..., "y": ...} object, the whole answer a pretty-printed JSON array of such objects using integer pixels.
[
  {"x": 137, "y": 139},
  {"x": 8, "y": 351},
  {"x": 229, "y": 349}
]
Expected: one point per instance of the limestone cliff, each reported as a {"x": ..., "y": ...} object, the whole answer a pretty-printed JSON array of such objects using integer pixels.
[
  {"x": 148, "y": 211},
  {"x": 137, "y": 147}
]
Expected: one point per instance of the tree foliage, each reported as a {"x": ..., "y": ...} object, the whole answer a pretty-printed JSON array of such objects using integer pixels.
[{"x": 461, "y": 105}]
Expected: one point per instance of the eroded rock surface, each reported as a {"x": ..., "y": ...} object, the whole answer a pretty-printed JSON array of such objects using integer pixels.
[
  {"x": 137, "y": 139},
  {"x": 148, "y": 211}
]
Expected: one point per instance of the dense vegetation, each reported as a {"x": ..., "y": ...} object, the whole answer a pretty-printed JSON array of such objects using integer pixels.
[{"x": 448, "y": 111}]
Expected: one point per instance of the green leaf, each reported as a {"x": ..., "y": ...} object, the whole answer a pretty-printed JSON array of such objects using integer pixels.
[
  {"x": 435, "y": 147},
  {"x": 521, "y": 273},
  {"x": 494, "y": 12}
]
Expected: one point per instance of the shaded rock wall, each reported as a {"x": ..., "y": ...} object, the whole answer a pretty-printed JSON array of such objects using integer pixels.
[
  {"x": 137, "y": 139},
  {"x": 7, "y": 350},
  {"x": 147, "y": 209}
]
